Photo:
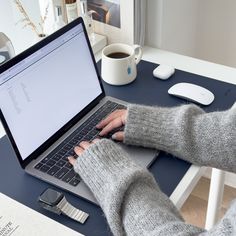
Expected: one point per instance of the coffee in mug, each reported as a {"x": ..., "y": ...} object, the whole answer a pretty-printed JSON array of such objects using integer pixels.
[
  {"x": 118, "y": 55},
  {"x": 119, "y": 63}
]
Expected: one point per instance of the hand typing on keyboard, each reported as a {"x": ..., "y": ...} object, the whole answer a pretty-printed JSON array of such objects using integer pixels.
[
  {"x": 80, "y": 149},
  {"x": 113, "y": 123}
]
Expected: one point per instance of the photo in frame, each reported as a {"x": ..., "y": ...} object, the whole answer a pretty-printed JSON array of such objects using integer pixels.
[
  {"x": 105, "y": 11},
  {"x": 114, "y": 18}
]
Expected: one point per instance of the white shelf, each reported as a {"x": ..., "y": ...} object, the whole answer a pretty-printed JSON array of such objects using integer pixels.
[{"x": 99, "y": 43}]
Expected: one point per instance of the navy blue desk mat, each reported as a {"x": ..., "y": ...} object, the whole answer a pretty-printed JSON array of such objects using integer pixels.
[{"x": 146, "y": 89}]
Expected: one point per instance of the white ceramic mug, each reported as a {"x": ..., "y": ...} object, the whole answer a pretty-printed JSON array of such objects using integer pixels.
[{"x": 119, "y": 63}]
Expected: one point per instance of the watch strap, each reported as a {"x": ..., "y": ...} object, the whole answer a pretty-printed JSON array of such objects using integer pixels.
[{"x": 74, "y": 213}]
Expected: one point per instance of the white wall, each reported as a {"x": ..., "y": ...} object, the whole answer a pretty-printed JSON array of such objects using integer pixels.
[
  {"x": 9, "y": 16},
  {"x": 217, "y": 31},
  {"x": 204, "y": 29},
  {"x": 167, "y": 27}
]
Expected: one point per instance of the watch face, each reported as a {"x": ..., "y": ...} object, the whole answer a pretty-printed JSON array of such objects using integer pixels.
[{"x": 51, "y": 197}]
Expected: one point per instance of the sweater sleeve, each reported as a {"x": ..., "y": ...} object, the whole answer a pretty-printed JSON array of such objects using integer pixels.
[
  {"x": 187, "y": 132},
  {"x": 129, "y": 196}
]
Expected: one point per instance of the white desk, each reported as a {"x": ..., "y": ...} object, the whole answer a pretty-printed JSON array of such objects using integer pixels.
[{"x": 211, "y": 70}]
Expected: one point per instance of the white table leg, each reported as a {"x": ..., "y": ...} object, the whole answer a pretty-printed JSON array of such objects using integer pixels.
[{"x": 215, "y": 197}]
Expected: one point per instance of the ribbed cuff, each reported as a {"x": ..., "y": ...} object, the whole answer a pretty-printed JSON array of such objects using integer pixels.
[
  {"x": 145, "y": 126},
  {"x": 103, "y": 165},
  {"x": 155, "y": 127}
]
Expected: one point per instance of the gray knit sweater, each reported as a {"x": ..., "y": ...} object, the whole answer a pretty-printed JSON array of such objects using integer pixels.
[{"x": 129, "y": 195}]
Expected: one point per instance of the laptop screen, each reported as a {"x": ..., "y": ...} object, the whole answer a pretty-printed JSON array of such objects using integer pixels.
[{"x": 44, "y": 91}]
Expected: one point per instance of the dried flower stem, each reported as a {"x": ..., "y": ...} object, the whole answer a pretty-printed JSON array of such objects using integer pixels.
[{"x": 27, "y": 21}]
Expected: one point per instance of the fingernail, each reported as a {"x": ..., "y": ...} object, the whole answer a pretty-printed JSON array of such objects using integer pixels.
[{"x": 113, "y": 136}]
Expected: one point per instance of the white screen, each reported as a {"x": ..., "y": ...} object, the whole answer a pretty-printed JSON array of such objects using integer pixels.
[{"x": 40, "y": 94}]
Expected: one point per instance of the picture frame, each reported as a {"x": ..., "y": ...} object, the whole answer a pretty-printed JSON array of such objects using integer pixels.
[
  {"x": 123, "y": 32},
  {"x": 130, "y": 28}
]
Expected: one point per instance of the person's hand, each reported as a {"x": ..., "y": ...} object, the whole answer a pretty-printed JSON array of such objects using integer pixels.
[
  {"x": 115, "y": 120},
  {"x": 80, "y": 149}
]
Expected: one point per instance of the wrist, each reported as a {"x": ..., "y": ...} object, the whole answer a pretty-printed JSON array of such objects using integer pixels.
[{"x": 146, "y": 126}]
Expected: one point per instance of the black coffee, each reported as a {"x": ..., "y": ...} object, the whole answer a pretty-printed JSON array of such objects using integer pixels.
[{"x": 118, "y": 55}]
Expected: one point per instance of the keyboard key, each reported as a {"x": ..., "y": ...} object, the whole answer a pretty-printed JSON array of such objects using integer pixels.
[
  {"x": 74, "y": 141},
  {"x": 61, "y": 163},
  {"x": 81, "y": 127},
  {"x": 74, "y": 182},
  {"x": 61, "y": 173},
  {"x": 100, "y": 117},
  {"x": 53, "y": 170},
  {"x": 89, "y": 127},
  {"x": 78, "y": 137},
  {"x": 71, "y": 152},
  {"x": 44, "y": 168},
  {"x": 93, "y": 123},
  {"x": 46, "y": 159},
  {"x": 56, "y": 157},
  {"x": 69, "y": 176},
  {"x": 38, "y": 166},
  {"x": 51, "y": 163},
  {"x": 83, "y": 132},
  {"x": 68, "y": 147},
  {"x": 77, "y": 176},
  {"x": 62, "y": 152},
  {"x": 88, "y": 137},
  {"x": 68, "y": 165},
  {"x": 96, "y": 120},
  {"x": 94, "y": 132},
  {"x": 65, "y": 158}
]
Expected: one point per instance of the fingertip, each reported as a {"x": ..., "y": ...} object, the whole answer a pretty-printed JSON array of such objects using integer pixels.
[
  {"x": 71, "y": 159},
  {"x": 113, "y": 136},
  {"x": 96, "y": 140},
  {"x": 118, "y": 136},
  {"x": 99, "y": 125}
]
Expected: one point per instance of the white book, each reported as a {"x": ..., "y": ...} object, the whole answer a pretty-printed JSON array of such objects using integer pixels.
[{"x": 18, "y": 220}]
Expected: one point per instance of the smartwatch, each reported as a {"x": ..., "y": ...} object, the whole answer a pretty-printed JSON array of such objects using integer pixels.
[{"x": 56, "y": 202}]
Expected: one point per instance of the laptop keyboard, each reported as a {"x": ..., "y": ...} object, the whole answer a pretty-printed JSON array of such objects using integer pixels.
[{"x": 56, "y": 163}]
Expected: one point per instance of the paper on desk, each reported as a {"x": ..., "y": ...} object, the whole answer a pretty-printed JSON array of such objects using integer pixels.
[{"x": 19, "y": 220}]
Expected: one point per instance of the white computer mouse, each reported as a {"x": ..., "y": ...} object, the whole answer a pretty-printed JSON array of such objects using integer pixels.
[
  {"x": 2, "y": 59},
  {"x": 192, "y": 92},
  {"x": 163, "y": 72}
]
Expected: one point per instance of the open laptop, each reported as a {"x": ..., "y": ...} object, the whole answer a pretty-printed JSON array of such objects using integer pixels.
[{"x": 51, "y": 98}]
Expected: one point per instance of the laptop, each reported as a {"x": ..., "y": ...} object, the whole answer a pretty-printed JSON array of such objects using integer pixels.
[{"x": 51, "y": 98}]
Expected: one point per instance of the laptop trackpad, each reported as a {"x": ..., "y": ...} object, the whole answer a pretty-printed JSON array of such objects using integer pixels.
[{"x": 142, "y": 156}]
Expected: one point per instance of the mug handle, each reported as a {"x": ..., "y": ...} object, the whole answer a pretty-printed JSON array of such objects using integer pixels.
[{"x": 139, "y": 54}]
